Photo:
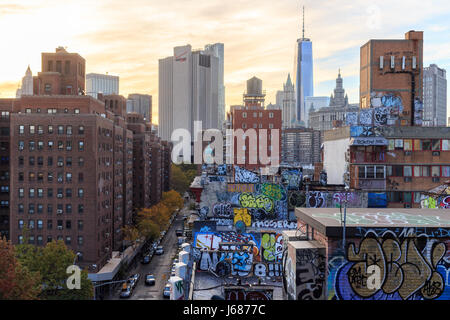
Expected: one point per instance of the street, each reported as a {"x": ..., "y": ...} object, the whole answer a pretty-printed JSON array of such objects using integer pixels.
[{"x": 160, "y": 266}]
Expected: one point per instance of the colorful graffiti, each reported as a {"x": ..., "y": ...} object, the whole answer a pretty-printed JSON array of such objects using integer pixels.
[
  {"x": 274, "y": 224},
  {"x": 249, "y": 200},
  {"x": 223, "y": 210},
  {"x": 316, "y": 199},
  {"x": 240, "y": 187},
  {"x": 241, "y": 214},
  {"x": 296, "y": 199},
  {"x": 271, "y": 247},
  {"x": 291, "y": 178},
  {"x": 408, "y": 269},
  {"x": 393, "y": 218},
  {"x": 437, "y": 202},
  {"x": 249, "y": 295},
  {"x": 351, "y": 118},
  {"x": 310, "y": 274},
  {"x": 242, "y": 175},
  {"x": 365, "y": 117},
  {"x": 274, "y": 191}
]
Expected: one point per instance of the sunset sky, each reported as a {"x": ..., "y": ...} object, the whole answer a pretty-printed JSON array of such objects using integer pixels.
[{"x": 127, "y": 37}]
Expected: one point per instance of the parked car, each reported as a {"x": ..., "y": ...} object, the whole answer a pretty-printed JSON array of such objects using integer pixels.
[
  {"x": 146, "y": 259},
  {"x": 179, "y": 232},
  {"x": 127, "y": 291},
  {"x": 159, "y": 250},
  {"x": 166, "y": 291},
  {"x": 150, "y": 280},
  {"x": 175, "y": 261},
  {"x": 133, "y": 280}
]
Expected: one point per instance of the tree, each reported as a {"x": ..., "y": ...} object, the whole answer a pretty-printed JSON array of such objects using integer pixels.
[
  {"x": 131, "y": 233},
  {"x": 172, "y": 200},
  {"x": 148, "y": 228},
  {"x": 179, "y": 182},
  {"x": 16, "y": 281},
  {"x": 51, "y": 262}
]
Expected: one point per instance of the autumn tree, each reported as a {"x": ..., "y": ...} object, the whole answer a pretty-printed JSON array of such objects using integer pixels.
[
  {"x": 16, "y": 281},
  {"x": 178, "y": 182},
  {"x": 131, "y": 234},
  {"x": 51, "y": 263},
  {"x": 172, "y": 200}
]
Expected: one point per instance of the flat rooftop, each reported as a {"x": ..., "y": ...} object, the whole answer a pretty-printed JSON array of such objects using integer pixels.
[{"x": 328, "y": 220}]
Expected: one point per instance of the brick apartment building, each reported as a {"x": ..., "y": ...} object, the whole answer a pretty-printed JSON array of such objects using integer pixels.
[
  {"x": 253, "y": 115},
  {"x": 68, "y": 164},
  {"x": 392, "y": 69}
]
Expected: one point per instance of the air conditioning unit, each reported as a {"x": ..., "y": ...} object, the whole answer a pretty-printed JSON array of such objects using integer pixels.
[
  {"x": 435, "y": 179},
  {"x": 59, "y": 211},
  {"x": 59, "y": 195},
  {"x": 59, "y": 227},
  {"x": 408, "y": 179},
  {"x": 407, "y": 153},
  {"x": 436, "y": 153}
]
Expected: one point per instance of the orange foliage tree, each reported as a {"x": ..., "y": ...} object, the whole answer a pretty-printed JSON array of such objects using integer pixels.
[{"x": 172, "y": 200}]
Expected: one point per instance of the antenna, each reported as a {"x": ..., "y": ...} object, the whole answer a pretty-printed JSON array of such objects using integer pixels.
[{"x": 303, "y": 30}]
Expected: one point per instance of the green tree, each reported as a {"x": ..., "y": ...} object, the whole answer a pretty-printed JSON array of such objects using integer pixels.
[
  {"x": 16, "y": 281},
  {"x": 179, "y": 182},
  {"x": 51, "y": 262}
]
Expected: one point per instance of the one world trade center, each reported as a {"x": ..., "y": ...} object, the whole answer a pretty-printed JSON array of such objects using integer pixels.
[{"x": 303, "y": 73}]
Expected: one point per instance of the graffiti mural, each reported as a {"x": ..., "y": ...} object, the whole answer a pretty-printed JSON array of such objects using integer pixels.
[
  {"x": 274, "y": 224},
  {"x": 351, "y": 118},
  {"x": 241, "y": 214},
  {"x": 240, "y": 187},
  {"x": 242, "y": 175},
  {"x": 274, "y": 191},
  {"x": 310, "y": 274},
  {"x": 365, "y": 117},
  {"x": 316, "y": 199},
  {"x": 393, "y": 218},
  {"x": 271, "y": 247},
  {"x": 223, "y": 210},
  {"x": 291, "y": 178},
  {"x": 380, "y": 116},
  {"x": 408, "y": 269},
  {"x": 249, "y": 295},
  {"x": 418, "y": 112},
  {"x": 250, "y": 200},
  {"x": 296, "y": 199},
  {"x": 437, "y": 202}
]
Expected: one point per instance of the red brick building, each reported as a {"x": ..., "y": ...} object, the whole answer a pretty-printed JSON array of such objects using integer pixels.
[{"x": 253, "y": 116}]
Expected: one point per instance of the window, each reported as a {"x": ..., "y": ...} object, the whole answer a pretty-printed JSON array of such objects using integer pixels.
[
  {"x": 60, "y": 145},
  {"x": 270, "y": 115},
  {"x": 80, "y": 193},
  {"x": 407, "y": 197},
  {"x": 397, "y": 171},
  {"x": 31, "y": 193},
  {"x": 417, "y": 145},
  {"x": 20, "y": 176},
  {"x": 445, "y": 145},
  {"x": 244, "y": 126},
  {"x": 408, "y": 144},
  {"x": 80, "y": 240},
  {"x": 255, "y": 114},
  {"x": 407, "y": 171},
  {"x": 31, "y": 145},
  {"x": 60, "y": 177},
  {"x": 20, "y": 208},
  {"x": 21, "y": 192},
  {"x": 32, "y": 129},
  {"x": 68, "y": 208},
  {"x": 31, "y": 208},
  {"x": 40, "y": 145},
  {"x": 49, "y": 224},
  {"x": 60, "y": 129},
  {"x": 80, "y": 177},
  {"x": 435, "y": 171},
  {"x": 21, "y": 145},
  {"x": 40, "y": 208},
  {"x": 398, "y": 144},
  {"x": 244, "y": 114},
  {"x": 20, "y": 239},
  {"x": 40, "y": 129},
  {"x": 50, "y": 161},
  {"x": 425, "y": 171},
  {"x": 40, "y": 224},
  {"x": 417, "y": 171},
  {"x": 59, "y": 193},
  {"x": 80, "y": 224},
  {"x": 68, "y": 240},
  {"x": 68, "y": 224},
  {"x": 21, "y": 129},
  {"x": 69, "y": 145},
  {"x": 50, "y": 193},
  {"x": 39, "y": 240},
  {"x": 30, "y": 224},
  {"x": 80, "y": 145},
  {"x": 446, "y": 171},
  {"x": 69, "y": 193},
  {"x": 80, "y": 161},
  {"x": 436, "y": 145},
  {"x": 77, "y": 111},
  {"x": 68, "y": 177},
  {"x": 68, "y": 161},
  {"x": 69, "y": 130},
  {"x": 20, "y": 224},
  {"x": 40, "y": 192},
  {"x": 50, "y": 145},
  {"x": 28, "y": 110},
  {"x": 49, "y": 239},
  {"x": 426, "y": 144},
  {"x": 50, "y": 129},
  {"x": 81, "y": 130},
  {"x": 59, "y": 225},
  {"x": 50, "y": 209}
]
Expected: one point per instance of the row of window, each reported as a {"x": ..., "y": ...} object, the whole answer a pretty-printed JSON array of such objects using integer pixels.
[
  {"x": 39, "y": 208},
  {"x": 39, "y": 224},
  {"x": 419, "y": 144},
  {"x": 32, "y": 192},
  {"x": 380, "y": 172},
  {"x": 255, "y": 125},
  {"x": 404, "y": 197},
  {"x": 51, "y": 110},
  {"x": 255, "y": 114},
  {"x": 418, "y": 171},
  {"x": 40, "y": 161},
  {"x": 39, "y": 241},
  {"x": 39, "y": 129},
  {"x": 32, "y": 145},
  {"x": 39, "y": 177}
]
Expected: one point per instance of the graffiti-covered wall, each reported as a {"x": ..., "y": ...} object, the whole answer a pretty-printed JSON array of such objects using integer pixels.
[{"x": 413, "y": 264}]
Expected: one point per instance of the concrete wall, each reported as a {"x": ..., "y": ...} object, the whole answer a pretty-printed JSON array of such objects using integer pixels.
[{"x": 334, "y": 162}]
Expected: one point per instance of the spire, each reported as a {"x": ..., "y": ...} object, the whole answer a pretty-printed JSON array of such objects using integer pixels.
[
  {"x": 303, "y": 29},
  {"x": 339, "y": 73},
  {"x": 288, "y": 81}
]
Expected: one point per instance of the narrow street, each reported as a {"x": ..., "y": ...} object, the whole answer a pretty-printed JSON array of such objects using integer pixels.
[{"x": 159, "y": 266}]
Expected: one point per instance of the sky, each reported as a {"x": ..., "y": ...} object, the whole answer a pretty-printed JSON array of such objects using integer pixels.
[{"x": 126, "y": 38}]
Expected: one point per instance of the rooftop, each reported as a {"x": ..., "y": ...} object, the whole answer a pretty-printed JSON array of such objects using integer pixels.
[{"x": 328, "y": 220}]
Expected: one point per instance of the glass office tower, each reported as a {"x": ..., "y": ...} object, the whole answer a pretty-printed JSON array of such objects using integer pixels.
[{"x": 303, "y": 72}]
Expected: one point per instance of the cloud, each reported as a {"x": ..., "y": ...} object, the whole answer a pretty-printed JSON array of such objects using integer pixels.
[{"x": 259, "y": 37}]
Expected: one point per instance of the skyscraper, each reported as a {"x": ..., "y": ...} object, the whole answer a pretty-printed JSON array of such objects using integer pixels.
[
  {"x": 188, "y": 91},
  {"x": 27, "y": 85},
  {"x": 217, "y": 49},
  {"x": 286, "y": 101},
  {"x": 303, "y": 73},
  {"x": 434, "y": 96},
  {"x": 140, "y": 103},
  {"x": 101, "y": 83}
]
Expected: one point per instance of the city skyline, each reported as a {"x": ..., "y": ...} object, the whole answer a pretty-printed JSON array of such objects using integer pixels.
[{"x": 109, "y": 43}]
